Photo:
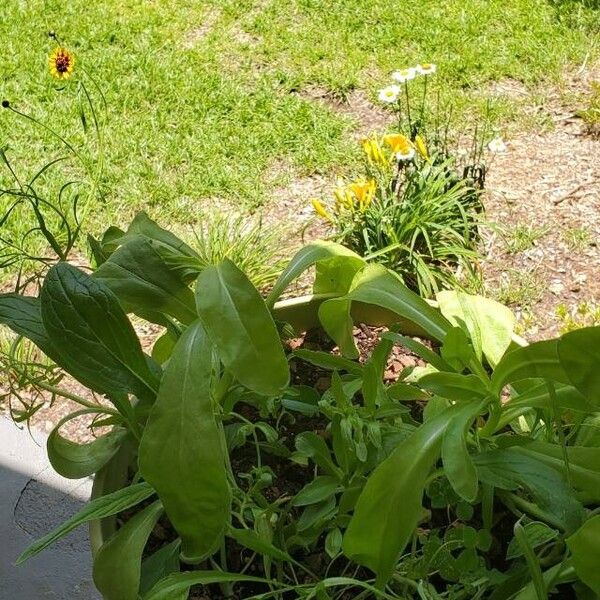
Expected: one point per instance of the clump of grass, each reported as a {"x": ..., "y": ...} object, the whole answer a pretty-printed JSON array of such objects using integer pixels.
[
  {"x": 591, "y": 113},
  {"x": 577, "y": 238},
  {"x": 523, "y": 237},
  {"x": 252, "y": 246},
  {"x": 520, "y": 288}
]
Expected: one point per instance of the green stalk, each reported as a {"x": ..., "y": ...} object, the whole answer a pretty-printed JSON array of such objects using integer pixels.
[{"x": 532, "y": 562}]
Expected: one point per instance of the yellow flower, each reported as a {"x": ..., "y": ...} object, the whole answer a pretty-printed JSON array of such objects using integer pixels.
[
  {"x": 363, "y": 191},
  {"x": 400, "y": 146},
  {"x": 320, "y": 209},
  {"x": 421, "y": 147},
  {"x": 374, "y": 153},
  {"x": 61, "y": 63}
]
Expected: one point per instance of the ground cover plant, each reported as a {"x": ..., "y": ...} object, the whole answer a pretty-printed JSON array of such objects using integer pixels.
[{"x": 473, "y": 474}]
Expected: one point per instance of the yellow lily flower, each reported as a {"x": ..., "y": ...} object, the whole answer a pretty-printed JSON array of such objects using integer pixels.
[
  {"x": 321, "y": 210},
  {"x": 374, "y": 153},
  {"x": 421, "y": 147},
  {"x": 400, "y": 145},
  {"x": 363, "y": 191}
]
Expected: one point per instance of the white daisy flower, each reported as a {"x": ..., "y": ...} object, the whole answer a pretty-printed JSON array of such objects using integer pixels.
[
  {"x": 497, "y": 145},
  {"x": 389, "y": 94},
  {"x": 426, "y": 69},
  {"x": 405, "y": 155},
  {"x": 404, "y": 75}
]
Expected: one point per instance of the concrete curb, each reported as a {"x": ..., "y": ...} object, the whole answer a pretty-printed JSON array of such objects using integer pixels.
[{"x": 34, "y": 500}]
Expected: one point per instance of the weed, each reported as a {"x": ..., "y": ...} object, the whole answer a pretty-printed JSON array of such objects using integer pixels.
[
  {"x": 577, "y": 238},
  {"x": 251, "y": 245},
  {"x": 583, "y": 315},
  {"x": 523, "y": 237},
  {"x": 521, "y": 288},
  {"x": 591, "y": 114}
]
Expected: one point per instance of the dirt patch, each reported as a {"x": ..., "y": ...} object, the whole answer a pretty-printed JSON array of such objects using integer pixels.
[
  {"x": 544, "y": 196},
  {"x": 368, "y": 117},
  {"x": 197, "y": 34}
]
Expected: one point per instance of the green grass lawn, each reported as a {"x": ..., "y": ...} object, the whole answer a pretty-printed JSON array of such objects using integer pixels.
[{"x": 201, "y": 96}]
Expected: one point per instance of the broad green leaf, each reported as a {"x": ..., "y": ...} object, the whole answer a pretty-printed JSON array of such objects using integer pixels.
[
  {"x": 158, "y": 565},
  {"x": 589, "y": 431},
  {"x": 118, "y": 563},
  {"x": 74, "y": 460},
  {"x": 389, "y": 507},
  {"x": 457, "y": 350},
  {"x": 584, "y": 464},
  {"x": 173, "y": 584},
  {"x": 92, "y": 335},
  {"x": 376, "y": 285},
  {"x": 182, "y": 449},
  {"x": 337, "y": 322},
  {"x": 316, "y": 514},
  {"x": 566, "y": 397},
  {"x": 325, "y": 360},
  {"x": 579, "y": 355},
  {"x": 142, "y": 224},
  {"x": 23, "y": 315},
  {"x": 405, "y": 391},
  {"x": 176, "y": 253},
  {"x": 99, "y": 508},
  {"x": 454, "y": 386},
  {"x": 538, "y": 360},
  {"x": 333, "y": 542},
  {"x": 306, "y": 257},
  {"x": 511, "y": 469},
  {"x": 335, "y": 275},
  {"x": 488, "y": 323},
  {"x": 537, "y": 533},
  {"x": 143, "y": 282},
  {"x": 318, "y": 489},
  {"x": 250, "y": 539},
  {"x": 458, "y": 465},
  {"x": 163, "y": 347},
  {"x": 373, "y": 389},
  {"x": 584, "y": 545},
  {"x": 242, "y": 328}
]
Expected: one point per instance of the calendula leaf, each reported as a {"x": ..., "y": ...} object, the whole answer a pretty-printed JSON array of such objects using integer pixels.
[
  {"x": 242, "y": 328},
  {"x": 99, "y": 508},
  {"x": 182, "y": 449},
  {"x": 118, "y": 563},
  {"x": 92, "y": 335}
]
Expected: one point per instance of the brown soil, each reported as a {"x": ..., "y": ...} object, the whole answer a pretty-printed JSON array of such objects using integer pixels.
[{"x": 549, "y": 182}]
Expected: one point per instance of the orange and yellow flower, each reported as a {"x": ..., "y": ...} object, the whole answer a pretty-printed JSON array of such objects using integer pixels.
[
  {"x": 61, "y": 63},
  {"x": 400, "y": 145}
]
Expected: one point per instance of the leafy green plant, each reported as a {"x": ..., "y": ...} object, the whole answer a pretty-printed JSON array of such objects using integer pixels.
[
  {"x": 417, "y": 207},
  {"x": 474, "y": 474},
  {"x": 585, "y": 314},
  {"x": 249, "y": 243}
]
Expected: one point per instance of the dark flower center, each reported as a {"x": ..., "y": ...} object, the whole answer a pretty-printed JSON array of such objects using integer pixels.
[{"x": 62, "y": 63}]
